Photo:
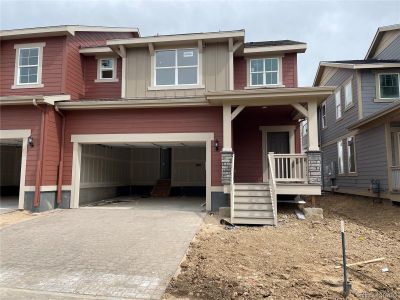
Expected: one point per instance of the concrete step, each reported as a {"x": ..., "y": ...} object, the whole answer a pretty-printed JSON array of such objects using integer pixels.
[
  {"x": 245, "y": 199},
  {"x": 252, "y": 206},
  {"x": 258, "y": 214},
  {"x": 248, "y": 193},
  {"x": 252, "y": 221},
  {"x": 251, "y": 186}
]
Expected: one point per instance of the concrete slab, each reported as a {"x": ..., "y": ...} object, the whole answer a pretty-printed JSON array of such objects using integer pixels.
[
  {"x": 8, "y": 204},
  {"x": 122, "y": 252}
]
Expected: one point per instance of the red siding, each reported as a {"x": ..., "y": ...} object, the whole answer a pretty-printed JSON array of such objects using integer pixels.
[
  {"x": 289, "y": 70},
  {"x": 52, "y": 69},
  {"x": 154, "y": 120},
  {"x": 247, "y": 139},
  {"x": 75, "y": 83},
  {"x": 100, "y": 90},
  {"x": 24, "y": 117}
]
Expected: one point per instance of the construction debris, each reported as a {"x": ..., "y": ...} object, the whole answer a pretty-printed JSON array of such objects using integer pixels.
[{"x": 360, "y": 263}]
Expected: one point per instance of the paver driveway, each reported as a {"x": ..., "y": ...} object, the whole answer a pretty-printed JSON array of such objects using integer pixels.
[{"x": 123, "y": 252}]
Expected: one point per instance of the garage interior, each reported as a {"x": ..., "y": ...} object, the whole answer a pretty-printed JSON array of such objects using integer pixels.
[
  {"x": 10, "y": 172},
  {"x": 147, "y": 172}
]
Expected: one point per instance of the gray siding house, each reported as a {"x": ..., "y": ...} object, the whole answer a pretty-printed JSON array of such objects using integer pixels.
[{"x": 360, "y": 122}]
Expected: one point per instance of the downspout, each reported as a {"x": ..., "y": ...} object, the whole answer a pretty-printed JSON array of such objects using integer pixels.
[
  {"x": 61, "y": 164},
  {"x": 36, "y": 199}
]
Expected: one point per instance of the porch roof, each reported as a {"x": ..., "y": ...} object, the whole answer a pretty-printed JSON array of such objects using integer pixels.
[{"x": 267, "y": 96}]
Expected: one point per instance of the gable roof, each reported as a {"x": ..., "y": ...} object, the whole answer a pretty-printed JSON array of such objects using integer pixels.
[
  {"x": 60, "y": 30},
  {"x": 378, "y": 37}
]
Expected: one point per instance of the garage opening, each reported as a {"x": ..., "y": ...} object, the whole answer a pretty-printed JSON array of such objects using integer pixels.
[
  {"x": 10, "y": 173},
  {"x": 151, "y": 174}
]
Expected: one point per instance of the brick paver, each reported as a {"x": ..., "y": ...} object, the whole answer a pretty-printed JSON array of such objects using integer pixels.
[{"x": 117, "y": 252}]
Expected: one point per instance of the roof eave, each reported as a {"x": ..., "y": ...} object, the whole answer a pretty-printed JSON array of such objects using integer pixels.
[{"x": 300, "y": 48}]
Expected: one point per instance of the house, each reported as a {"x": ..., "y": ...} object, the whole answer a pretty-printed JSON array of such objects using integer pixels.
[
  {"x": 360, "y": 122},
  {"x": 93, "y": 113}
]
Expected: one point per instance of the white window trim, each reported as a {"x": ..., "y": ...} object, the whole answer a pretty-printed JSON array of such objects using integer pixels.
[
  {"x": 348, "y": 104},
  {"x": 348, "y": 155},
  {"x": 99, "y": 69},
  {"x": 378, "y": 92},
  {"x": 323, "y": 116},
  {"x": 154, "y": 68},
  {"x": 340, "y": 152},
  {"x": 278, "y": 84},
  {"x": 338, "y": 113},
  {"x": 39, "y": 83}
]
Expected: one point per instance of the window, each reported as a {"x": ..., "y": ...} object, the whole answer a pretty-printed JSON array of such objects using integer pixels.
[
  {"x": 28, "y": 65},
  {"x": 395, "y": 137},
  {"x": 264, "y": 71},
  {"x": 348, "y": 95},
  {"x": 351, "y": 155},
  {"x": 338, "y": 105},
  {"x": 176, "y": 67},
  {"x": 340, "y": 157},
  {"x": 305, "y": 127},
  {"x": 107, "y": 69},
  {"x": 389, "y": 86},
  {"x": 323, "y": 115}
]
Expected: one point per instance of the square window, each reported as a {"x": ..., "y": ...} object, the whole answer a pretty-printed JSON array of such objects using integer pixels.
[
  {"x": 389, "y": 86},
  {"x": 264, "y": 71}
]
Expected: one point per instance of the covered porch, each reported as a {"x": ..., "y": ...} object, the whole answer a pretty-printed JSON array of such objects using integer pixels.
[{"x": 261, "y": 155}]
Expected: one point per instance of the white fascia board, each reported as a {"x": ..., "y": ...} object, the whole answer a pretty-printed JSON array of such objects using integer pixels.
[
  {"x": 176, "y": 38},
  {"x": 268, "y": 49},
  {"x": 54, "y": 98},
  {"x": 95, "y": 50}
]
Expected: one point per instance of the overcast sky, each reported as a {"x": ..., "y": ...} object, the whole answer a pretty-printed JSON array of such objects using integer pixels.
[{"x": 333, "y": 30}]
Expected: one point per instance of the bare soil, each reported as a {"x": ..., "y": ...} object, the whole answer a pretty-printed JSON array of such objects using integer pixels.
[{"x": 297, "y": 259}]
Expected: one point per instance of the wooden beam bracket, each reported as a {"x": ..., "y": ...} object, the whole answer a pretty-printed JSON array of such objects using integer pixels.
[
  {"x": 237, "y": 111},
  {"x": 301, "y": 109}
]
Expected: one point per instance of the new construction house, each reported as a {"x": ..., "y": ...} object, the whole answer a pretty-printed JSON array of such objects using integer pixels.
[{"x": 91, "y": 113}]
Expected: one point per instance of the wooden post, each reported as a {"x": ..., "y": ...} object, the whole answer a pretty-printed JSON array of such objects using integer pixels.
[{"x": 313, "y": 201}]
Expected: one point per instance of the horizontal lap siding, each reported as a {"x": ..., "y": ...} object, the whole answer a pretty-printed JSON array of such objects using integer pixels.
[
  {"x": 289, "y": 70},
  {"x": 52, "y": 68},
  {"x": 392, "y": 51},
  {"x": 100, "y": 90},
  {"x": 24, "y": 117},
  {"x": 247, "y": 139},
  {"x": 163, "y": 120},
  {"x": 240, "y": 73}
]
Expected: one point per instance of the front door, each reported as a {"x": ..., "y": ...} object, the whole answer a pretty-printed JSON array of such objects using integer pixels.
[{"x": 165, "y": 163}]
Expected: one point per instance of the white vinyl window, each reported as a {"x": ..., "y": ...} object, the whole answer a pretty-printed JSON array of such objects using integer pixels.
[
  {"x": 264, "y": 71},
  {"x": 338, "y": 105},
  {"x": 351, "y": 155},
  {"x": 176, "y": 67},
  {"x": 348, "y": 95},
  {"x": 28, "y": 65},
  {"x": 107, "y": 69},
  {"x": 340, "y": 157},
  {"x": 323, "y": 115},
  {"x": 389, "y": 86}
]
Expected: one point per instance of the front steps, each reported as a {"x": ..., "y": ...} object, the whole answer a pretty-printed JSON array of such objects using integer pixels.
[{"x": 253, "y": 204}]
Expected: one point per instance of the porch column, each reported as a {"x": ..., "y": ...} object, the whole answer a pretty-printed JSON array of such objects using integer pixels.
[
  {"x": 312, "y": 126},
  {"x": 227, "y": 126}
]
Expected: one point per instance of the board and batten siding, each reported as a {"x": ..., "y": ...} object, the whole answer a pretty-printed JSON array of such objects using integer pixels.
[
  {"x": 370, "y": 163},
  {"x": 336, "y": 128},
  {"x": 215, "y": 73},
  {"x": 392, "y": 51},
  {"x": 369, "y": 90}
]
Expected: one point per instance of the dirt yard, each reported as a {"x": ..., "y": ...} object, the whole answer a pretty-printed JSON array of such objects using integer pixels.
[{"x": 297, "y": 259}]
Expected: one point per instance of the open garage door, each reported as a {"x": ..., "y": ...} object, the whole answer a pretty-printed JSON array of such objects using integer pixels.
[{"x": 129, "y": 170}]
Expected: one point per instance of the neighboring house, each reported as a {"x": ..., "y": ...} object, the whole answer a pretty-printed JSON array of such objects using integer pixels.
[
  {"x": 360, "y": 122},
  {"x": 93, "y": 119}
]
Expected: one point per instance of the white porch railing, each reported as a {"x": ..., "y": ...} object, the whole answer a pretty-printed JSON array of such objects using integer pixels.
[
  {"x": 272, "y": 187},
  {"x": 232, "y": 195},
  {"x": 396, "y": 178},
  {"x": 289, "y": 167}
]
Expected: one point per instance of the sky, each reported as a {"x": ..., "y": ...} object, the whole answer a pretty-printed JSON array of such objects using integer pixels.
[{"x": 333, "y": 30}]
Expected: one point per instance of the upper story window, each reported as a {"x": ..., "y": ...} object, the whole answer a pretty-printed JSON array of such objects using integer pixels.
[
  {"x": 323, "y": 115},
  {"x": 338, "y": 105},
  {"x": 28, "y": 65},
  {"x": 264, "y": 71},
  {"x": 176, "y": 67},
  {"x": 348, "y": 95},
  {"x": 106, "y": 70},
  {"x": 389, "y": 86}
]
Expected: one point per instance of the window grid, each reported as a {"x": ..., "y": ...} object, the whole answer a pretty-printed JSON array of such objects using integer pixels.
[
  {"x": 28, "y": 66},
  {"x": 389, "y": 84},
  {"x": 264, "y": 72},
  {"x": 176, "y": 69}
]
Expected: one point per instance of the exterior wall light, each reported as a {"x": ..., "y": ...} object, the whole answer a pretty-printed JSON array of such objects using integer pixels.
[
  {"x": 216, "y": 145},
  {"x": 30, "y": 140}
]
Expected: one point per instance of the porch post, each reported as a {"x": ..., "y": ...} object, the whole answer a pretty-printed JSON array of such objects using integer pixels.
[
  {"x": 312, "y": 126},
  {"x": 227, "y": 126}
]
